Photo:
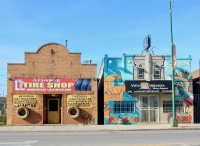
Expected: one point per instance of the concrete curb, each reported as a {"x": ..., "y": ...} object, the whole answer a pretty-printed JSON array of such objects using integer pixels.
[{"x": 87, "y": 128}]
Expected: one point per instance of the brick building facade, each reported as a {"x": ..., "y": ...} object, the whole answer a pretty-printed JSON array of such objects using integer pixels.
[{"x": 51, "y": 87}]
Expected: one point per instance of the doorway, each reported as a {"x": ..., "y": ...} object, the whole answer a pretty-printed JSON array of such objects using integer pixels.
[
  {"x": 53, "y": 110},
  {"x": 149, "y": 111}
]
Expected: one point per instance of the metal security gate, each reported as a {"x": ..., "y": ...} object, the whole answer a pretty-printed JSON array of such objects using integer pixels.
[
  {"x": 196, "y": 104},
  {"x": 149, "y": 108}
]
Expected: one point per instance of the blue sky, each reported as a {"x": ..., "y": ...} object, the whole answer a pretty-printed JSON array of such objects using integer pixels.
[{"x": 96, "y": 28}]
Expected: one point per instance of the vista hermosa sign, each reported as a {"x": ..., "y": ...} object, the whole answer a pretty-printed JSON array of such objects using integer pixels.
[{"x": 164, "y": 86}]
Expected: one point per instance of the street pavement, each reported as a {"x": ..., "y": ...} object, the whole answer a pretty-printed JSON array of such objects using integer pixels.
[{"x": 74, "y": 128}]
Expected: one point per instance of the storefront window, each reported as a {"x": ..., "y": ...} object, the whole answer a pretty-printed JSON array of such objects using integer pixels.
[
  {"x": 123, "y": 107},
  {"x": 167, "y": 106}
]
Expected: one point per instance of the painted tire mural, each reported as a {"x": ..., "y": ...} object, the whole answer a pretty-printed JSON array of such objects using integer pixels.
[
  {"x": 19, "y": 109},
  {"x": 83, "y": 85},
  {"x": 74, "y": 109}
]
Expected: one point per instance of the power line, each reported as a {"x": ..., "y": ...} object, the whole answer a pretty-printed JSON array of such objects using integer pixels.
[{"x": 162, "y": 51}]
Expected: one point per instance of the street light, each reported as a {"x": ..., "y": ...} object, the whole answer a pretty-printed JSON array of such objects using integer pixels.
[{"x": 174, "y": 121}]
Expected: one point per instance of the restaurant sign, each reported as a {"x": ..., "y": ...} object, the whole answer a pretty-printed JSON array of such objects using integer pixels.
[
  {"x": 163, "y": 86},
  {"x": 29, "y": 101},
  {"x": 52, "y": 84},
  {"x": 81, "y": 101}
]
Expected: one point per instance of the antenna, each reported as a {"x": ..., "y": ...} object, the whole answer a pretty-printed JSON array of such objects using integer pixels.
[{"x": 66, "y": 43}]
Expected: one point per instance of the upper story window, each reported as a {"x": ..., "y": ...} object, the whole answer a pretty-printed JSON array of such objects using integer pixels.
[
  {"x": 157, "y": 74},
  {"x": 140, "y": 73}
]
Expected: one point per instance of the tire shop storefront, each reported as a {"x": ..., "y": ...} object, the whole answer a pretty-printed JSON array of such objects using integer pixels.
[{"x": 52, "y": 87}]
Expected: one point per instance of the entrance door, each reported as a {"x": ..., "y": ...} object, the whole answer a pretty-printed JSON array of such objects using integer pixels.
[
  {"x": 53, "y": 112},
  {"x": 149, "y": 109}
]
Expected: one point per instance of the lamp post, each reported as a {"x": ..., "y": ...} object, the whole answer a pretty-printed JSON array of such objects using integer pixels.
[{"x": 174, "y": 122}]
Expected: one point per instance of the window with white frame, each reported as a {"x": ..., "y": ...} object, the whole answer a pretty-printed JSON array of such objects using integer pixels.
[
  {"x": 123, "y": 107},
  {"x": 167, "y": 106},
  {"x": 157, "y": 74},
  {"x": 140, "y": 73}
]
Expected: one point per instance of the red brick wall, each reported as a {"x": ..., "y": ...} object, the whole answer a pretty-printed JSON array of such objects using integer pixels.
[{"x": 39, "y": 65}]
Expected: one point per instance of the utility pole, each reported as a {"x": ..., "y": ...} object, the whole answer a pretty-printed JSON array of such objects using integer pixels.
[
  {"x": 3, "y": 93},
  {"x": 174, "y": 122}
]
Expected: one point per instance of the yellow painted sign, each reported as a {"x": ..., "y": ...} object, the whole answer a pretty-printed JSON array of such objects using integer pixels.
[
  {"x": 81, "y": 101},
  {"x": 30, "y": 101}
]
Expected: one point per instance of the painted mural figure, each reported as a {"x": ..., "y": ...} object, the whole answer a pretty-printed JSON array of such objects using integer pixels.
[
  {"x": 183, "y": 80},
  {"x": 183, "y": 92},
  {"x": 116, "y": 93}
]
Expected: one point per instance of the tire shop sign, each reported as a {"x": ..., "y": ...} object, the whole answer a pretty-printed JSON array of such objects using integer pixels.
[
  {"x": 52, "y": 84},
  {"x": 81, "y": 101},
  {"x": 29, "y": 101}
]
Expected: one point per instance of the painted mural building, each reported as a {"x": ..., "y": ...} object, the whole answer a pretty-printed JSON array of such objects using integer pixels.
[
  {"x": 138, "y": 88},
  {"x": 51, "y": 87}
]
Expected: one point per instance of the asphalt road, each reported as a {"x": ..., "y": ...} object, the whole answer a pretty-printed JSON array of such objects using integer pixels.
[{"x": 103, "y": 138}]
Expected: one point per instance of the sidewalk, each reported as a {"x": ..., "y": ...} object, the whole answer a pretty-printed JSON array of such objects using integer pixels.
[{"x": 73, "y": 128}]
